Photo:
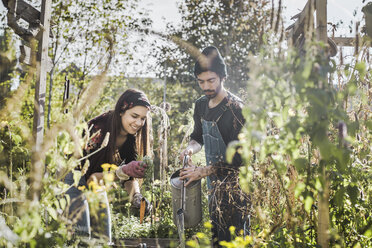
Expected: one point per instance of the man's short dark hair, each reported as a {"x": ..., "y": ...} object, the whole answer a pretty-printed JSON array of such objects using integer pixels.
[{"x": 214, "y": 62}]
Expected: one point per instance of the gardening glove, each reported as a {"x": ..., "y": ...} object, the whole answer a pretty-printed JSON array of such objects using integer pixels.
[
  {"x": 136, "y": 204},
  {"x": 133, "y": 169}
]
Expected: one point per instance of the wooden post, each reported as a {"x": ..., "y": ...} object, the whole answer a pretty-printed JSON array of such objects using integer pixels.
[
  {"x": 321, "y": 20},
  {"x": 164, "y": 150},
  {"x": 303, "y": 22},
  {"x": 40, "y": 89},
  {"x": 323, "y": 202}
]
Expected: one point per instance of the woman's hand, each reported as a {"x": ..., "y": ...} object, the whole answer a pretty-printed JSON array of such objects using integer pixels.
[{"x": 134, "y": 169}]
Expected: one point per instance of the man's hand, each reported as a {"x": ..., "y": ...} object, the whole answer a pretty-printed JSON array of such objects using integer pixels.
[
  {"x": 188, "y": 152},
  {"x": 194, "y": 173}
]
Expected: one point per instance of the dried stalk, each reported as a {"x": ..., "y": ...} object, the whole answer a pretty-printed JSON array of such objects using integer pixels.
[{"x": 163, "y": 130}]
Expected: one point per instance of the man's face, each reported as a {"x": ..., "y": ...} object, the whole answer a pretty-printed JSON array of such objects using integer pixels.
[{"x": 210, "y": 83}]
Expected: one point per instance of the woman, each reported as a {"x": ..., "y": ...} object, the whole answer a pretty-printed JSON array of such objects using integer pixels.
[{"x": 128, "y": 139}]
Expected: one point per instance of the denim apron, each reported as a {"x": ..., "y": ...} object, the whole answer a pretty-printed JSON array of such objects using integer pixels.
[
  {"x": 226, "y": 206},
  {"x": 79, "y": 208}
]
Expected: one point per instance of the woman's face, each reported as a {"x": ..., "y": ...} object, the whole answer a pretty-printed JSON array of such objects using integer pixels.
[{"x": 133, "y": 119}]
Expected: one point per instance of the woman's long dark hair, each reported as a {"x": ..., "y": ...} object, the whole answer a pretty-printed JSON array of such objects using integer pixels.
[{"x": 129, "y": 99}]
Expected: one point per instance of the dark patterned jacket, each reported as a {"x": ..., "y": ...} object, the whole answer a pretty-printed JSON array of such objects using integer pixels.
[{"x": 100, "y": 125}]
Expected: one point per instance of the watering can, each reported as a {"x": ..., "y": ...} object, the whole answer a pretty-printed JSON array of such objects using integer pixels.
[
  {"x": 188, "y": 198},
  {"x": 186, "y": 201}
]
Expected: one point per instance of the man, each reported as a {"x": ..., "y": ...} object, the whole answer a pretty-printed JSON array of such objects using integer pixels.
[{"x": 218, "y": 120}]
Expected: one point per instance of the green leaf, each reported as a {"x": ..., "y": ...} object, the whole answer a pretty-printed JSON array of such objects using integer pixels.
[
  {"x": 293, "y": 124},
  {"x": 281, "y": 168},
  {"x": 339, "y": 197},
  {"x": 368, "y": 233},
  {"x": 343, "y": 159},
  {"x": 230, "y": 151},
  {"x": 76, "y": 176},
  {"x": 285, "y": 113},
  {"x": 62, "y": 203},
  {"x": 308, "y": 203},
  {"x": 353, "y": 192},
  {"x": 352, "y": 86},
  {"x": 16, "y": 138},
  {"x": 307, "y": 70},
  {"x": 69, "y": 148},
  {"x": 277, "y": 102},
  {"x": 52, "y": 212},
  {"x": 361, "y": 68},
  {"x": 325, "y": 146},
  {"x": 33, "y": 243},
  {"x": 300, "y": 164},
  {"x": 48, "y": 159},
  {"x": 352, "y": 128},
  {"x": 369, "y": 124},
  {"x": 246, "y": 112},
  {"x": 300, "y": 187}
]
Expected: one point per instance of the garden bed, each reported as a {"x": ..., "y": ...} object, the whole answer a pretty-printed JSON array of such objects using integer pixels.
[{"x": 147, "y": 242}]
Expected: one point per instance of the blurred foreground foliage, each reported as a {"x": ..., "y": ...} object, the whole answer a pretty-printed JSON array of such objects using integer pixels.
[{"x": 306, "y": 149}]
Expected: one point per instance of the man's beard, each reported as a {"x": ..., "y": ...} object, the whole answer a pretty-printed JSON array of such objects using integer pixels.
[
  {"x": 210, "y": 96},
  {"x": 214, "y": 92}
]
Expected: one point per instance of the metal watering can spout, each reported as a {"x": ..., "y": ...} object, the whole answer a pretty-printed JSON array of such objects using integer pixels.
[
  {"x": 181, "y": 210},
  {"x": 181, "y": 226},
  {"x": 183, "y": 189}
]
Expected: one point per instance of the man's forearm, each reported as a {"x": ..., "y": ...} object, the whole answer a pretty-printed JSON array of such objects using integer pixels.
[
  {"x": 194, "y": 146},
  {"x": 194, "y": 173},
  {"x": 206, "y": 171}
]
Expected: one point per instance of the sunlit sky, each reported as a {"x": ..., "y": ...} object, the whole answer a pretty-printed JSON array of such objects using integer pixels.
[
  {"x": 165, "y": 11},
  {"x": 162, "y": 11}
]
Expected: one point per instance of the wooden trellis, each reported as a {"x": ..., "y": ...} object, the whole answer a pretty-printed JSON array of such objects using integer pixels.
[
  {"x": 304, "y": 25},
  {"x": 39, "y": 29}
]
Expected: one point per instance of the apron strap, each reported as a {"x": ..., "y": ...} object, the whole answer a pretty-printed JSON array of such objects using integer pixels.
[{"x": 222, "y": 107}]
